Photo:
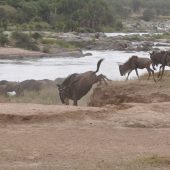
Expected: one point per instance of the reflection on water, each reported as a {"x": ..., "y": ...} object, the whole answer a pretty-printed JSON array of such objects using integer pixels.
[{"x": 52, "y": 68}]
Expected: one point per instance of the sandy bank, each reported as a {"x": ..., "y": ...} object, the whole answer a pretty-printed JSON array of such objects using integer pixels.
[{"x": 17, "y": 53}]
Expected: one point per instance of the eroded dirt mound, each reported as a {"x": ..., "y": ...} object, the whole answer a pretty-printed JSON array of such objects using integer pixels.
[
  {"x": 37, "y": 113},
  {"x": 131, "y": 92},
  {"x": 123, "y": 115}
]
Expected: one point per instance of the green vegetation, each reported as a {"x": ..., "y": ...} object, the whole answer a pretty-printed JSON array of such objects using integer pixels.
[
  {"x": 23, "y": 40},
  {"x": 3, "y": 39},
  {"x": 76, "y": 15},
  {"x": 45, "y": 96},
  {"x": 162, "y": 36},
  {"x": 150, "y": 162}
]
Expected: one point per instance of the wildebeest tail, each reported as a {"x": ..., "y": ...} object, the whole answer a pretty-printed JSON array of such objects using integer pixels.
[{"x": 98, "y": 65}]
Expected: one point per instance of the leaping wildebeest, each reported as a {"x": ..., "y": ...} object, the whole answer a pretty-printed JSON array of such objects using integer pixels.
[
  {"x": 162, "y": 58},
  {"x": 75, "y": 86},
  {"x": 135, "y": 63}
]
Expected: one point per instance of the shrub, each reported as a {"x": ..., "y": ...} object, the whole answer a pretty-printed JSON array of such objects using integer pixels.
[
  {"x": 23, "y": 40},
  {"x": 36, "y": 35},
  {"x": 118, "y": 26},
  {"x": 3, "y": 39},
  {"x": 46, "y": 49},
  {"x": 49, "y": 41},
  {"x": 149, "y": 14}
]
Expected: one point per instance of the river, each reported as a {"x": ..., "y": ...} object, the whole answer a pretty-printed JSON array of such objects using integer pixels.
[{"x": 52, "y": 68}]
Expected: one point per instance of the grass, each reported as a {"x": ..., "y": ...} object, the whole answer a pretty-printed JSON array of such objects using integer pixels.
[
  {"x": 162, "y": 36},
  {"x": 58, "y": 43},
  {"x": 48, "y": 96},
  {"x": 45, "y": 96},
  {"x": 153, "y": 162},
  {"x": 165, "y": 77},
  {"x": 149, "y": 163}
]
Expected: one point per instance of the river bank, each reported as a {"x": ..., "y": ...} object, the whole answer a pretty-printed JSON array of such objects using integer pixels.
[
  {"x": 18, "y": 53},
  {"x": 73, "y": 44}
]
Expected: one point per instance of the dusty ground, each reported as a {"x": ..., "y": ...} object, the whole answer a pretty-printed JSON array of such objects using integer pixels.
[
  {"x": 116, "y": 137},
  {"x": 129, "y": 132}
]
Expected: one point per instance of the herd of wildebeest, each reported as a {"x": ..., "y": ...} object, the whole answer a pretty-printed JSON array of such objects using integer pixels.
[{"x": 75, "y": 86}]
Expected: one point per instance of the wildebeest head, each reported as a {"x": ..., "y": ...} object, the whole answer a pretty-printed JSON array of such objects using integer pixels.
[
  {"x": 152, "y": 55},
  {"x": 121, "y": 70},
  {"x": 63, "y": 93},
  {"x": 158, "y": 57}
]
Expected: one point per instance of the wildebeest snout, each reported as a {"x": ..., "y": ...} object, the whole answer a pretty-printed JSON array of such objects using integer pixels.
[
  {"x": 120, "y": 69},
  {"x": 63, "y": 94}
]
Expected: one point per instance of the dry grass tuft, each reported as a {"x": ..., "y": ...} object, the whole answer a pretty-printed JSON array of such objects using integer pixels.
[
  {"x": 45, "y": 96},
  {"x": 150, "y": 162}
]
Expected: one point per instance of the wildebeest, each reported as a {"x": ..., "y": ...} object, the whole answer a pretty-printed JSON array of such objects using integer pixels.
[
  {"x": 75, "y": 86},
  {"x": 162, "y": 58},
  {"x": 135, "y": 63}
]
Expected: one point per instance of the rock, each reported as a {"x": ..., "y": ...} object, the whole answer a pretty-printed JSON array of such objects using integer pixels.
[{"x": 87, "y": 54}]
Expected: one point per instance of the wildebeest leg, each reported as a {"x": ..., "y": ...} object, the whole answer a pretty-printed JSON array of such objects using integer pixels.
[
  {"x": 75, "y": 102},
  {"x": 128, "y": 75},
  {"x": 149, "y": 72},
  {"x": 74, "y": 98},
  {"x": 66, "y": 101},
  {"x": 101, "y": 78},
  {"x": 153, "y": 75},
  {"x": 159, "y": 71},
  {"x": 163, "y": 69},
  {"x": 137, "y": 73}
]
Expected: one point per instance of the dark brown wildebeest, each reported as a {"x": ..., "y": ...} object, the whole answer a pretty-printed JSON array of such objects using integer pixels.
[
  {"x": 75, "y": 86},
  {"x": 162, "y": 58},
  {"x": 135, "y": 63}
]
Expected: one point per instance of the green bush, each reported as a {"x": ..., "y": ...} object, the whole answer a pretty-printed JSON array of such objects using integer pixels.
[
  {"x": 118, "y": 26},
  {"x": 149, "y": 14},
  {"x": 3, "y": 39},
  {"x": 46, "y": 49},
  {"x": 49, "y": 41},
  {"x": 36, "y": 35},
  {"x": 25, "y": 41}
]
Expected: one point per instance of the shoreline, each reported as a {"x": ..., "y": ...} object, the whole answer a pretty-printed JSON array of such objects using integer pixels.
[
  {"x": 11, "y": 53},
  {"x": 18, "y": 53}
]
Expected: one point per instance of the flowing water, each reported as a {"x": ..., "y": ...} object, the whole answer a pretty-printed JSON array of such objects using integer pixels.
[{"x": 52, "y": 68}]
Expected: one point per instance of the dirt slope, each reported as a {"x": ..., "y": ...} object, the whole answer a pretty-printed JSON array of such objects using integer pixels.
[
  {"x": 133, "y": 91},
  {"x": 127, "y": 136},
  {"x": 129, "y": 132}
]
